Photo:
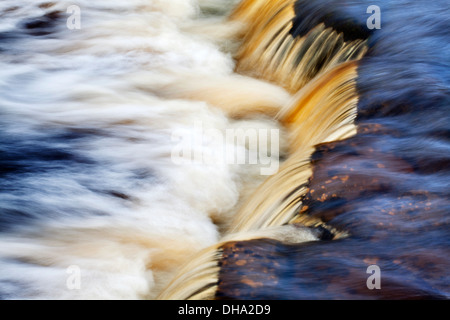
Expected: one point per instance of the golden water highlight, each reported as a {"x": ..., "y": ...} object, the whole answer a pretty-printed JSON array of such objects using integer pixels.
[
  {"x": 323, "y": 111},
  {"x": 269, "y": 51},
  {"x": 198, "y": 279},
  {"x": 237, "y": 95},
  {"x": 319, "y": 71}
]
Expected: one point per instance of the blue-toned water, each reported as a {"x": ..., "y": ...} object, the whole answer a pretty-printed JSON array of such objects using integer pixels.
[{"x": 89, "y": 186}]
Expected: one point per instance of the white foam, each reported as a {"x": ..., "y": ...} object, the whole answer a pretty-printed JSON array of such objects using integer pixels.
[{"x": 132, "y": 216}]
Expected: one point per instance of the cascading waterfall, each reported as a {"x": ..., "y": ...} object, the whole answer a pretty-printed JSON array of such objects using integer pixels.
[
  {"x": 348, "y": 174},
  {"x": 323, "y": 110},
  {"x": 90, "y": 119}
]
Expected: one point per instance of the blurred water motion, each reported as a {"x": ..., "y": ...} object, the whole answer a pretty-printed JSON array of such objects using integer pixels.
[{"x": 87, "y": 118}]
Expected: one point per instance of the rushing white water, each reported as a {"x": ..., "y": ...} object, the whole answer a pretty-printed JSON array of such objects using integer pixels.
[{"x": 87, "y": 118}]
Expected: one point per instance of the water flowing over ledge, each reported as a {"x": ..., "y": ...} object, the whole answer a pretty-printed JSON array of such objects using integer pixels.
[{"x": 89, "y": 186}]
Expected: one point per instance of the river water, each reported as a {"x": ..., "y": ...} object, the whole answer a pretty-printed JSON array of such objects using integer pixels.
[{"x": 94, "y": 206}]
